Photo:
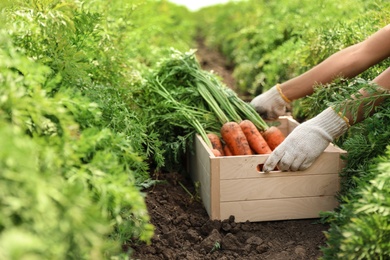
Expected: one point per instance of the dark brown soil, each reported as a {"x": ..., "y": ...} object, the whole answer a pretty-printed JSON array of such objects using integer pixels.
[
  {"x": 212, "y": 60},
  {"x": 183, "y": 229}
]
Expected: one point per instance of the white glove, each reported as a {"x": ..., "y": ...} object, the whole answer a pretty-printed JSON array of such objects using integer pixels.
[
  {"x": 307, "y": 141},
  {"x": 271, "y": 104}
]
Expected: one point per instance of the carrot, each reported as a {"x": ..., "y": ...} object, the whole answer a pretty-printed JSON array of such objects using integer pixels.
[
  {"x": 216, "y": 152},
  {"x": 234, "y": 138},
  {"x": 255, "y": 139},
  {"x": 227, "y": 151},
  {"x": 216, "y": 142},
  {"x": 273, "y": 136}
]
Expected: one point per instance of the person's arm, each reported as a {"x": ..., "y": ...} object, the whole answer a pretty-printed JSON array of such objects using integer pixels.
[
  {"x": 346, "y": 63},
  {"x": 383, "y": 81},
  {"x": 307, "y": 141}
]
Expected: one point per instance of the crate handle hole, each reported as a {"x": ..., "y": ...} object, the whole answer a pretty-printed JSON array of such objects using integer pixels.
[{"x": 259, "y": 168}]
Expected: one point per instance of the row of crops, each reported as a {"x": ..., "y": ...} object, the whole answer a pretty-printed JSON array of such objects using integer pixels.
[
  {"x": 75, "y": 146},
  {"x": 95, "y": 96},
  {"x": 272, "y": 41}
]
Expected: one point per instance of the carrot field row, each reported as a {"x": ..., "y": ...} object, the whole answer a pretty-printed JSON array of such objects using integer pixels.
[{"x": 96, "y": 95}]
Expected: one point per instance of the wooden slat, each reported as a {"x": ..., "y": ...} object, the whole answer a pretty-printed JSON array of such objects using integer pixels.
[
  {"x": 241, "y": 167},
  {"x": 200, "y": 171},
  {"x": 277, "y": 209},
  {"x": 292, "y": 123},
  {"x": 279, "y": 187},
  {"x": 215, "y": 188}
]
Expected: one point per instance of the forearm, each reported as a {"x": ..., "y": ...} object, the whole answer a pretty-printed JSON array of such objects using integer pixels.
[
  {"x": 346, "y": 63},
  {"x": 383, "y": 81}
]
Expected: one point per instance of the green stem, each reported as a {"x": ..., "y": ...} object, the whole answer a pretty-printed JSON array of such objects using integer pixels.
[
  {"x": 212, "y": 103},
  {"x": 187, "y": 112}
]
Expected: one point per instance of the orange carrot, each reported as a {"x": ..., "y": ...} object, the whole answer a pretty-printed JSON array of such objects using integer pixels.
[
  {"x": 227, "y": 151},
  {"x": 216, "y": 152},
  {"x": 255, "y": 139},
  {"x": 273, "y": 136},
  {"x": 234, "y": 138},
  {"x": 216, "y": 142}
]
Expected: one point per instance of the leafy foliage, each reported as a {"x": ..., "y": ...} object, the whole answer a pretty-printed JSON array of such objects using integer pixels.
[
  {"x": 175, "y": 107},
  {"x": 368, "y": 233},
  {"x": 40, "y": 137},
  {"x": 181, "y": 100},
  {"x": 77, "y": 151}
]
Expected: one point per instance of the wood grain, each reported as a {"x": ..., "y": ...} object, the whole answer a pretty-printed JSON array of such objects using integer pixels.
[
  {"x": 279, "y": 187},
  {"x": 277, "y": 209}
]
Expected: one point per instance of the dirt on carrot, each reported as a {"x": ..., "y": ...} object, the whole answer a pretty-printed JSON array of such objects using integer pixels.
[
  {"x": 273, "y": 136},
  {"x": 234, "y": 137},
  {"x": 255, "y": 139},
  {"x": 216, "y": 143}
]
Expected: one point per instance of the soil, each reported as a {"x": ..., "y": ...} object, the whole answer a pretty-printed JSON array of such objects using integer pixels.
[
  {"x": 212, "y": 60},
  {"x": 183, "y": 229}
]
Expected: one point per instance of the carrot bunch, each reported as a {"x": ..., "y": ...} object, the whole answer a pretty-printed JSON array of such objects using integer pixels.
[
  {"x": 243, "y": 131},
  {"x": 244, "y": 138}
]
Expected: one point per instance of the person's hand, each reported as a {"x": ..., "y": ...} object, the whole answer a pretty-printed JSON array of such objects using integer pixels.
[
  {"x": 271, "y": 104},
  {"x": 306, "y": 142}
]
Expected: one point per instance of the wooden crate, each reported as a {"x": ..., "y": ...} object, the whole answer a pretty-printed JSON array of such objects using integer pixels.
[{"x": 233, "y": 185}]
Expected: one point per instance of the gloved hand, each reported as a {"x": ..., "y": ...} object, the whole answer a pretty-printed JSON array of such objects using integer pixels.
[
  {"x": 271, "y": 104},
  {"x": 307, "y": 141}
]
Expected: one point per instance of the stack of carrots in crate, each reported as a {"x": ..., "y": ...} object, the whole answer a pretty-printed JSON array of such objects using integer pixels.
[
  {"x": 244, "y": 139},
  {"x": 243, "y": 131}
]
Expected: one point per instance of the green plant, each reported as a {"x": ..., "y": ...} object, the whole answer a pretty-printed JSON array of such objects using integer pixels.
[
  {"x": 82, "y": 162},
  {"x": 368, "y": 233},
  {"x": 217, "y": 246}
]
